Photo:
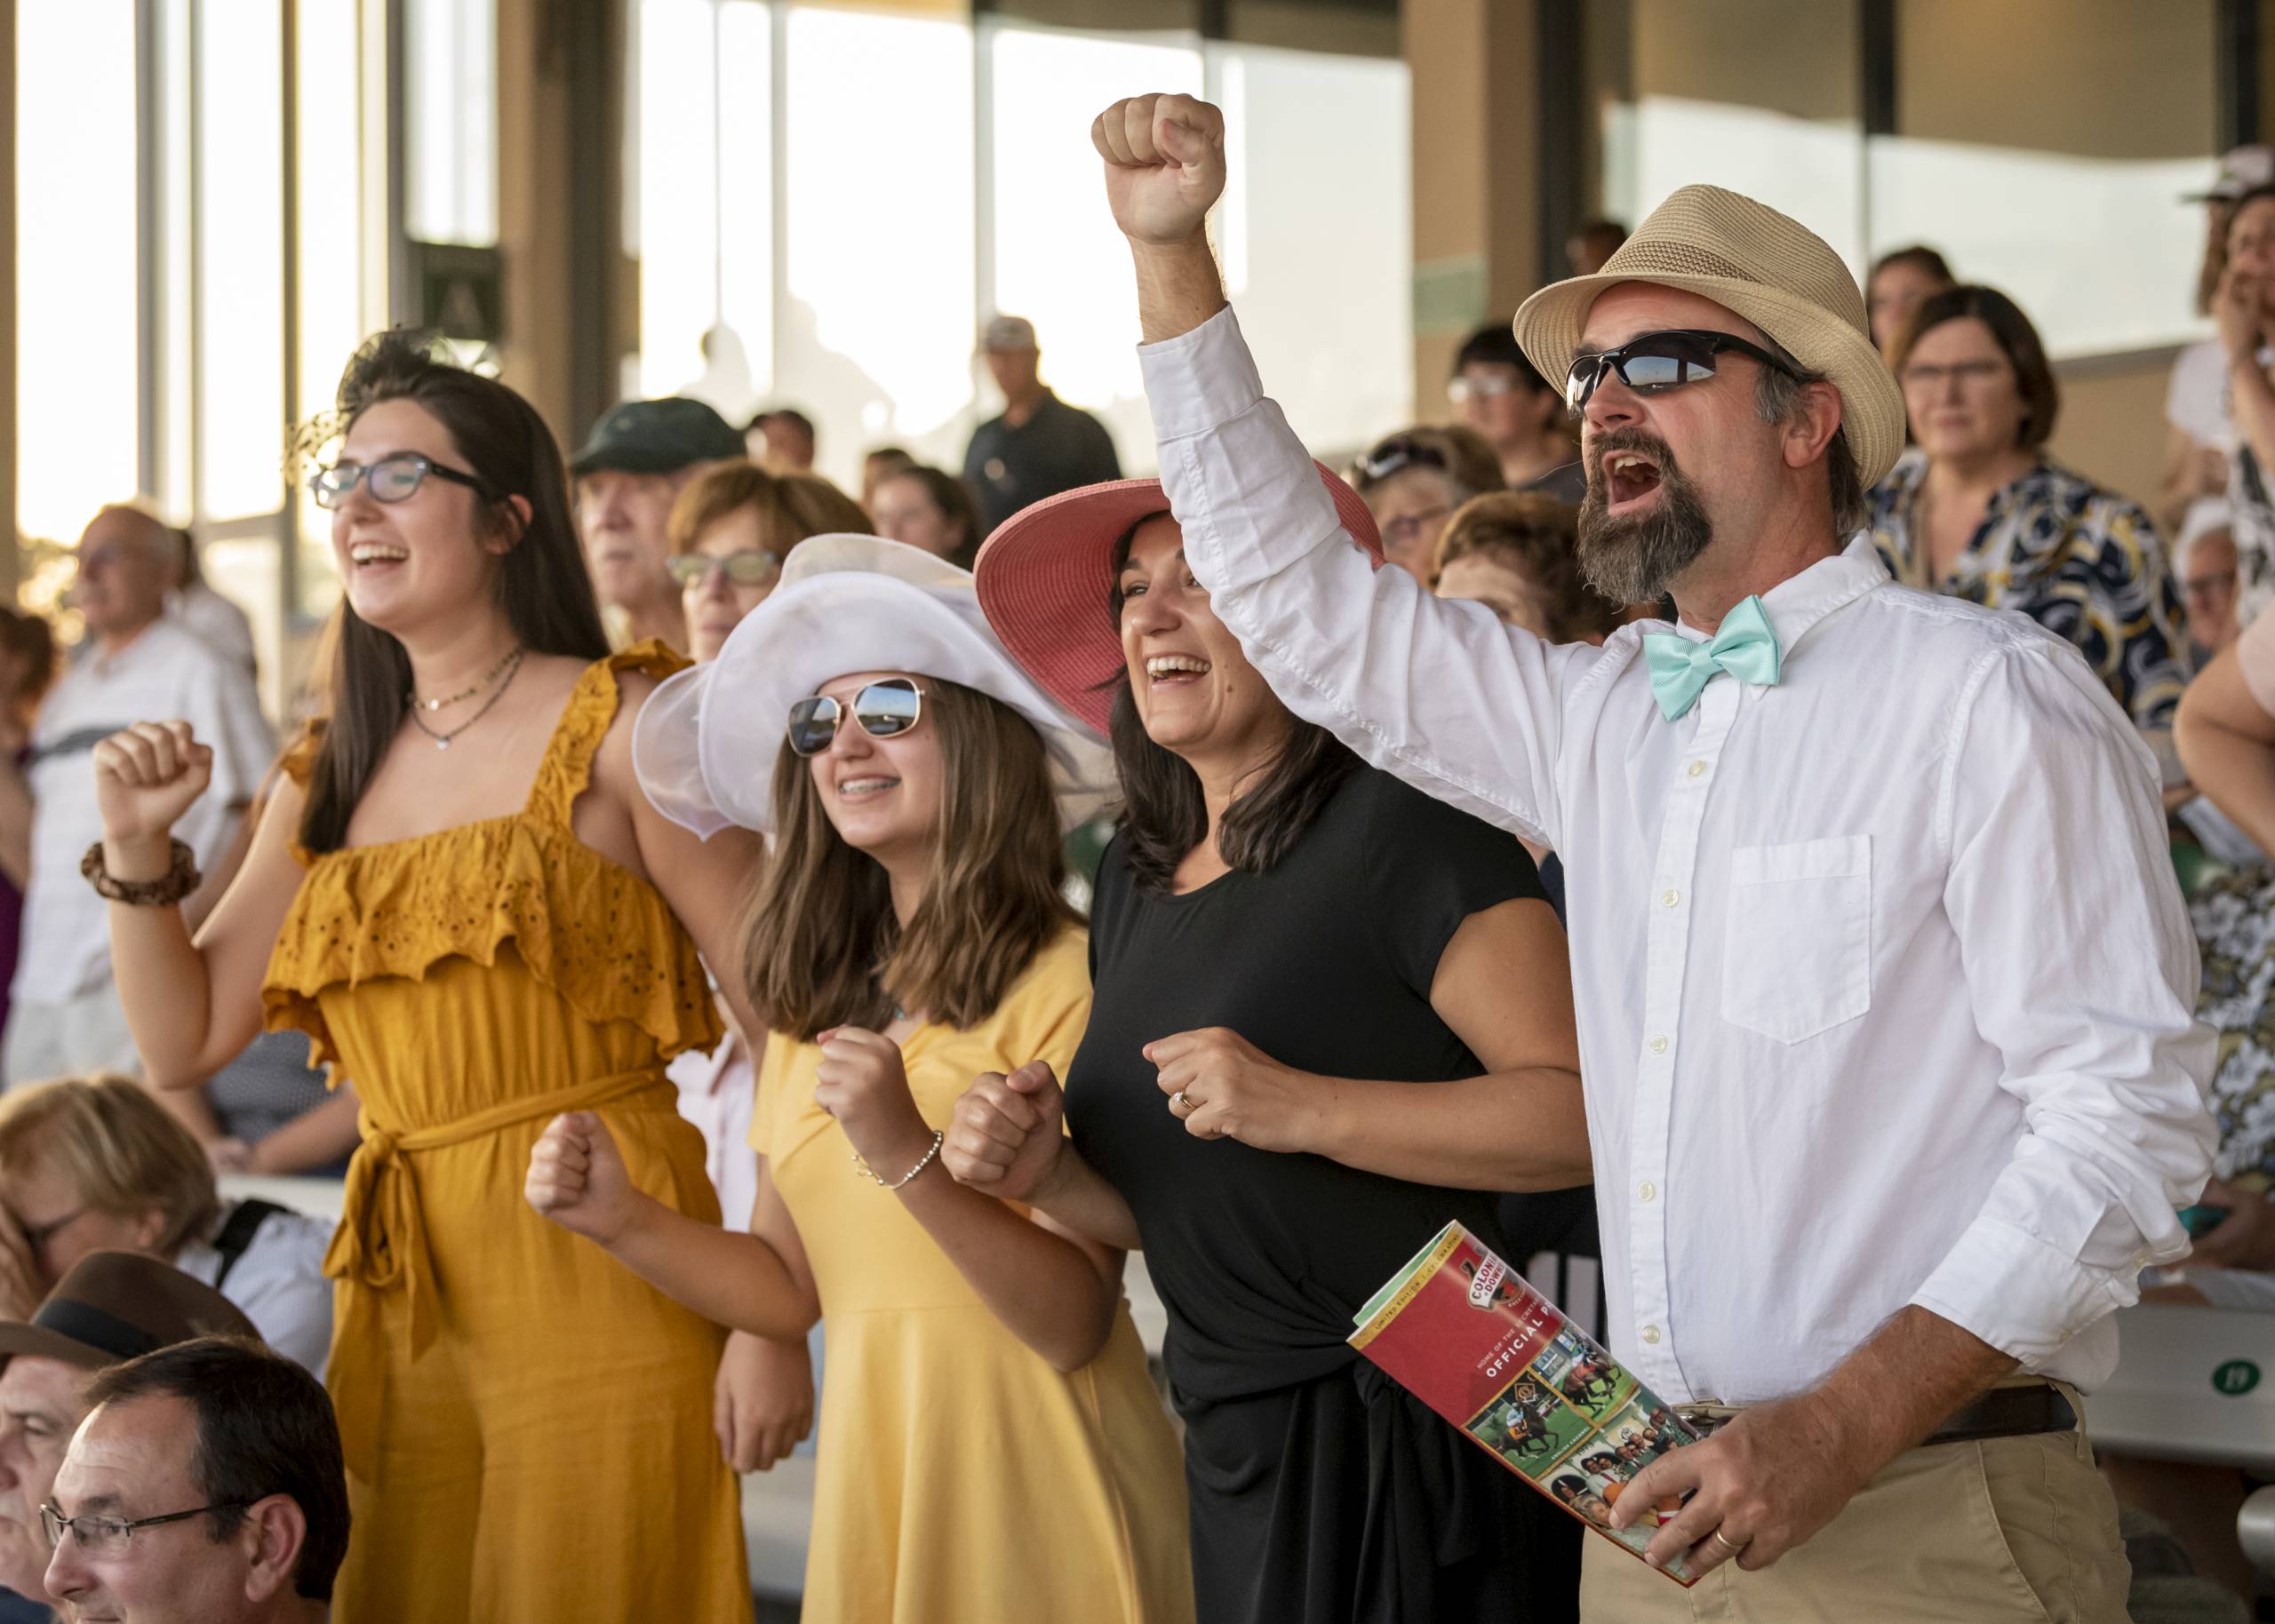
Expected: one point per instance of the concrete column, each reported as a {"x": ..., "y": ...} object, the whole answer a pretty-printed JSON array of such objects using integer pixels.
[
  {"x": 1478, "y": 246},
  {"x": 571, "y": 293}
]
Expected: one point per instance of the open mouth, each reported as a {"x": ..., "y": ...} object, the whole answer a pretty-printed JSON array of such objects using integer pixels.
[
  {"x": 376, "y": 555},
  {"x": 868, "y": 787},
  {"x": 1175, "y": 670},
  {"x": 1628, "y": 476}
]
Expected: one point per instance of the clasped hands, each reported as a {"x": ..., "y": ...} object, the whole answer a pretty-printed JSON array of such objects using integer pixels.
[{"x": 1006, "y": 1132}]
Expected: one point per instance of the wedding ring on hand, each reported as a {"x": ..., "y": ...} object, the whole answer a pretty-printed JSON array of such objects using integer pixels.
[
  {"x": 1723, "y": 1540},
  {"x": 1180, "y": 1102}
]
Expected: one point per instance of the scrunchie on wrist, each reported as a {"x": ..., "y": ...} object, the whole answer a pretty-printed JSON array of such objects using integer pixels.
[{"x": 166, "y": 891}]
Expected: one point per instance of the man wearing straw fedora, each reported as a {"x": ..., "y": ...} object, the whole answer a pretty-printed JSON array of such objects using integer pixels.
[{"x": 1884, "y": 988}]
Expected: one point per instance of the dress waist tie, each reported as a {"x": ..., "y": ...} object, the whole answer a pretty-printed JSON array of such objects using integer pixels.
[{"x": 381, "y": 1244}]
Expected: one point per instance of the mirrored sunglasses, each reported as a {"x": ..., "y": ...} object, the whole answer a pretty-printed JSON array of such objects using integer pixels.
[
  {"x": 882, "y": 709},
  {"x": 1653, "y": 362}
]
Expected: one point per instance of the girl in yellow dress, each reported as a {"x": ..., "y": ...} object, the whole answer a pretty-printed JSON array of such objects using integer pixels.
[
  {"x": 991, "y": 1446},
  {"x": 463, "y": 898}
]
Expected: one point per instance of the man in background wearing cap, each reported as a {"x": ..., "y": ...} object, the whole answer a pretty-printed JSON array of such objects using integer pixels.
[
  {"x": 2198, "y": 432},
  {"x": 1884, "y": 988},
  {"x": 1041, "y": 445},
  {"x": 640, "y": 455},
  {"x": 110, "y": 1306}
]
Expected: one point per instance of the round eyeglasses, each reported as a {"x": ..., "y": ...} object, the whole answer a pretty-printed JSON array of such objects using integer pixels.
[
  {"x": 883, "y": 709},
  {"x": 392, "y": 478}
]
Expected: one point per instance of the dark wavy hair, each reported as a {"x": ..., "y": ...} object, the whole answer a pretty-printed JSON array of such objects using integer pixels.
[
  {"x": 1163, "y": 816},
  {"x": 543, "y": 588}
]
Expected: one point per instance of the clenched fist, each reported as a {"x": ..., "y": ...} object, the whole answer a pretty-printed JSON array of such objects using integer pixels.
[
  {"x": 577, "y": 1179},
  {"x": 860, "y": 1082},
  {"x": 147, "y": 776},
  {"x": 1164, "y": 164},
  {"x": 1005, "y": 1138}
]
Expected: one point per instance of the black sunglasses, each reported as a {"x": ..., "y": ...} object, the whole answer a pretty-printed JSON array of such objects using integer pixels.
[
  {"x": 1655, "y": 361},
  {"x": 883, "y": 709}
]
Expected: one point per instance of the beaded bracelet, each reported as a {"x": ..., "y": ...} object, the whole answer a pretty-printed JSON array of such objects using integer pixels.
[
  {"x": 163, "y": 892},
  {"x": 866, "y": 1172}
]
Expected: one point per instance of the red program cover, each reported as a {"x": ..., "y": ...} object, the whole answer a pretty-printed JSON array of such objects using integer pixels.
[{"x": 1470, "y": 1337}]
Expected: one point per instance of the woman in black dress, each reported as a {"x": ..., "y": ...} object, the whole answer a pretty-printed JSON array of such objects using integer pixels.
[{"x": 1329, "y": 1015}]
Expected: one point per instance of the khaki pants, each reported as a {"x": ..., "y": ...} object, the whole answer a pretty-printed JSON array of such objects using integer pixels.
[{"x": 2019, "y": 1529}]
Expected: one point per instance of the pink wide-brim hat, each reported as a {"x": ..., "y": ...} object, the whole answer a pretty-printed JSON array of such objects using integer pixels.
[{"x": 1046, "y": 575}]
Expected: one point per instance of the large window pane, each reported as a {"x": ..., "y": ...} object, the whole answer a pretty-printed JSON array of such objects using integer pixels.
[
  {"x": 335, "y": 310},
  {"x": 677, "y": 189},
  {"x": 1760, "y": 96},
  {"x": 1059, "y": 260},
  {"x": 240, "y": 114},
  {"x": 878, "y": 324},
  {"x": 2044, "y": 187},
  {"x": 1328, "y": 310},
  {"x": 745, "y": 308},
  {"x": 77, "y": 387},
  {"x": 451, "y": 117}
]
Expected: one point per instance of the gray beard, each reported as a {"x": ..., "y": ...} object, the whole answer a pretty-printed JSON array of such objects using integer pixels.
[{"x": 1635, "y": 559}]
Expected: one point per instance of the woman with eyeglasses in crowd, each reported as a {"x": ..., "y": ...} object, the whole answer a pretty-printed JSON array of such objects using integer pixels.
[
  {"x": 1977, "y": 510},
  {"x": 460, "y": 894},
  {"x": 1413, "y": 482},
  {"x": 1329, "y": 1015},
  {"x": 992, "y": 1447}
]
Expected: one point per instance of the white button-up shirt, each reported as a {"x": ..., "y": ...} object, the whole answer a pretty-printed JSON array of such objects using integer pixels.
[{"x": 1885, "y": 987}]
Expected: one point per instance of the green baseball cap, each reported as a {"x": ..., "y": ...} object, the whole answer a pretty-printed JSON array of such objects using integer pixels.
[{"x": 660, "y": 436}]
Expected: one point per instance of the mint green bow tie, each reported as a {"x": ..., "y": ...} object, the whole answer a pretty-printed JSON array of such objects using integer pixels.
[{"x": 1746, "y": 647}]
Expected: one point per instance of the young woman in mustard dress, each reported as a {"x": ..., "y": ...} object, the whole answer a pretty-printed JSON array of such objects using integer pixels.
[
  {"x": 991, "y": 1448},
  {"x": 471, "y": 909}
]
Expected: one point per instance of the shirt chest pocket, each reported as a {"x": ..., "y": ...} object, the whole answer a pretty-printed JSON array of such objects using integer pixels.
[{"x": 1797, "y": 950}]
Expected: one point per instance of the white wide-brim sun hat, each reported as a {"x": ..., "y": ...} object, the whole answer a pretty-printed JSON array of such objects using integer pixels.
[{"x": 705, "y": 745}]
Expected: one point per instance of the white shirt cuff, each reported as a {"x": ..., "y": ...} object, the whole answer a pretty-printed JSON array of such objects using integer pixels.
[
  {"x": 2024, "y": 1297},
  {"x": 1201, "y": 379}
]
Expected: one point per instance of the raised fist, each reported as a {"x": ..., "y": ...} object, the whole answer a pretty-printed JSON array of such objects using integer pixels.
[
  {"x": 577, "y": 1178},
  {"x": 146, "y": 777},
  {"x": 1005, "y": 1137},
  {"x": 1164, "y": 164}
]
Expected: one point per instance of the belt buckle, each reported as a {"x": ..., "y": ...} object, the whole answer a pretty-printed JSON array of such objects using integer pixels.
[{"x": 1705, "y": 1419}]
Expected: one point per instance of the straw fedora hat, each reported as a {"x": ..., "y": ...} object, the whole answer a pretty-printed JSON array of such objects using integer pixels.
[
  {"x": 1045, "y": 574},
  {"x": 705, "y": 745},
  {"x": 1773, "y": 271}
]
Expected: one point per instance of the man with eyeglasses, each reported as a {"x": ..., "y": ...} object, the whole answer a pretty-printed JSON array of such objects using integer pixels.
[
  {"x": 205, "y": 1486},
  {"x": 110, "y": 1306},
  {"x": 1503, "y": 396},
  {"x": 1884, "y": 986},
  {"x": 640, "y": 455},
  {"x": 137, "y": 661}
]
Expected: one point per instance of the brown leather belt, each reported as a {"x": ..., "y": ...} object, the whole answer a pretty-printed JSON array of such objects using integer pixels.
[{"x": 2003, "y": 1413}]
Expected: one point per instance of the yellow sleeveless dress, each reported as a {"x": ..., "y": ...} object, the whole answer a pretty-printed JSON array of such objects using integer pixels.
[
  {"x": 527, "y": 1422},
  {"x": 959, "y": 1478}
]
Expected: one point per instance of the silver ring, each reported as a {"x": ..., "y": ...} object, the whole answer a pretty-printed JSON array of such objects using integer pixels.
[{"x": 1180, "y": 1102}]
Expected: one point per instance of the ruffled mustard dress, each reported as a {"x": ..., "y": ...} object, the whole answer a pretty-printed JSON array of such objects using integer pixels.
[
  {"x": 527, "y": 1422},
  {"x": 960, "y": 1478}
]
